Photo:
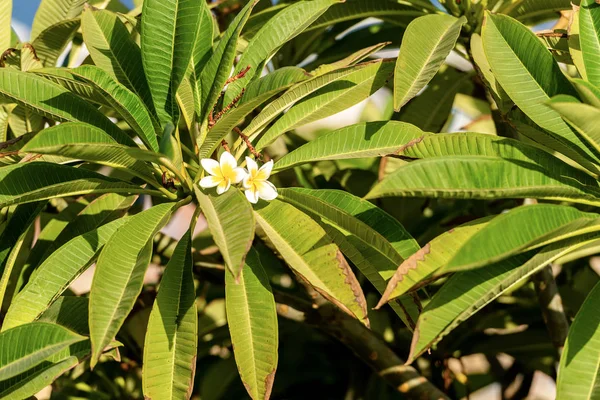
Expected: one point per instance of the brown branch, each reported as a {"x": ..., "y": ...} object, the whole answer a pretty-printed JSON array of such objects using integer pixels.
[
  {"x": 225, "y": 145},
  {"x": 364, "y": 343},
  {"x": 552, "y": 307},
  {"x": 248, "y": 144},
  {"x": 237, "y": 76}
]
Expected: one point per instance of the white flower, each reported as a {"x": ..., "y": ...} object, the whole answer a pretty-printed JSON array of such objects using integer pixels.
[
  {"x": 222, "y": 173},
  {"x": 256, "y": 183}
]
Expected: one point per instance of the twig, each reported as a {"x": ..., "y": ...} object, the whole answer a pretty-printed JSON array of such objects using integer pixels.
[
  {"x": 225, "y": 145},
  {"x": 552, "y": 307},
  {"x": 248, "y": 144},
  {"x": 5, "y": 55},
  {"x": 237, "y": 76}
]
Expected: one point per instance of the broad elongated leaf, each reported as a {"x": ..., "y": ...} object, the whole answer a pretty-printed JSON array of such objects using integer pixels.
[
  {"x": 55, "y": 102},
  {"x": 51, "y": 12},
  {"x": 516, "y": 170},
  {"x": 112, "y": 49},
  {"x": 432, "y": 257},
  {"x": 73, "y": 84},
  {"x": 56, "y": 273},
  {"x": 52, "y": 41},
  {"x": 582, "y": 117},
  {"x": 25, "y": 385},
  {"x": 120, "y": 272},
  {"x": 589, "y": 93},
  {"x": 294, "y": 94},
  {"x": 169, "y": 29},
  {"x": 201, "y": 53},
  {"x": 172, "y": 333},
  {"x": 277, "y": 31},
  {"x": 467, "y": 292},
  {"x": 522, "y": 228},
  {"x": 70, "y": 312},
  {"x": 24, "y": 183},
  {"x": 24, "y": 347},
  {"x": 530, "y": 76},
  {"x": 578, "y": 370},
  {"x": 427, "y": 42},
  {"x": 217, "y": 69},
  {"x": 311, "y": 254},
  {"x": 125, "y": 102},
  {"x": 536, "y": 10},
  {"x": 252, "y": 318},
  {"x": 589, "y": 39},
  {"x": 231, "y": 223},
  {"x": 5, "y": 30},
  {"x": 85, "y": 142},
  {"x": 331, "y": 99},
  {"x": 19, "y": 222},
  {"x": 370, "y": 139}
]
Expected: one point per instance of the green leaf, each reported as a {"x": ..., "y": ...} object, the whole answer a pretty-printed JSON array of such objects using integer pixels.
[
  {"x": 5, "y": 30},
  {"x": 589, "y": 39},
  {"x": 536, "y": 10},
  {"x": 31, "y": 382},
  {"x": 202, "y": 51},
  {"x": 169, "y": 29},
  {"x": 427, "y": 42},
  {"x": 56, "y": 273},
  {"x": 515, "y": 170},
  {"x": 522, "y": 229},
  {"x": 427, "y": 261},
  {"x": 119, "y": 274},
  {"x": 172, "y": 333},
  {"x": 125, "y": 102},
  {"x": 55, "y": 180},
  {"x": 582, "y": 117},
  {"x": 310, "y": 252},
  {"x": 112, "y": 48},
  {"x": 55, "y": 102},
  {"x": 26, "y": 346},
  {"x": 367, "y": 139},
  {"x": 252, "y": 317},
  {"x": 294, "y": 94},
  {"x": 578, "y": 370},
  {"x": 530, "y": 76},
  {"x": 277, "y": 31},
  {"x": 70, "y": 312},
  {"x": 218, "y": 68},
  {"x": 387, "y": 10},
  {"x": 73, "y": 84},
  {"x": 52, "y": 41},
  {"x": 51, "y": 12},
  {"x": 231, "y": 223},
  {"x": 465, "y": 293},
  {"x": 589, "y": 93},
  {"x": 85, "y": 142},
  {"x": 331, "y": 99},
  {"x": 433, "y": 106}
]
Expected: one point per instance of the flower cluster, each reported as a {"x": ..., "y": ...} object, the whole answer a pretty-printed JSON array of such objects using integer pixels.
[{"x": 225, "y": 172}]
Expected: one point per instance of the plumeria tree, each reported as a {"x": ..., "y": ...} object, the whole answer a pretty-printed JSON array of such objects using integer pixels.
[{"x": 178, "y": 221}]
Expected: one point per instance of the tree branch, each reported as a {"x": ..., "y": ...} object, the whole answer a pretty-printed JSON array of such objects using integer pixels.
[
  {"x": 552, "y": 307},
  {"x": 365, "y": 344}
]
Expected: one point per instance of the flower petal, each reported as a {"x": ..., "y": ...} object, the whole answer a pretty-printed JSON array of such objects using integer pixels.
[
  {"x": 210, "y": 181},
  {"x": 223, "y": 186},
  {"x": 227, "y": 160},
  {"x": 252, "y": 166},
  {"x": 252, "y": 196},
  {"x": 247, "y": 181},
  {"x": 266, "y": 190},
  {"x": 211, "y": 166},
  {"x": 265, "y": 171},
  {"x": 238, "y": 175}
]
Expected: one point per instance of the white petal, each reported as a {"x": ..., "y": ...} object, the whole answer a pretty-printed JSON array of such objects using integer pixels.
[
  {"x": 252, "y": 166},
  {"x": 223, "y": 186},
  {"x": 210, "y": 181},
  {"x": 211, "y": 166},
  {"x": 246, "y": 181},
  {"x": 238, "y": 175},
  {"x": 265, "y": 171},
  {"x": 227, "y": 160},
  {"x": 252, "y": 196},
  {"x": 266, "y": 190}
]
